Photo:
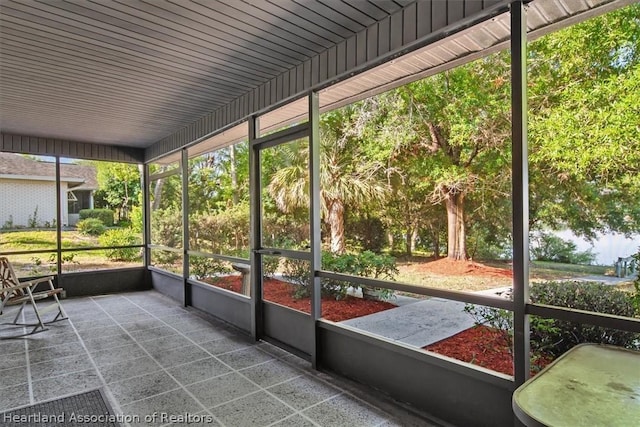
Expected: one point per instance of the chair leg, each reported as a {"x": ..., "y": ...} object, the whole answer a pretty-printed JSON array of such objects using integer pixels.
[
  {"x": 15, "y": 320},
  {"x": 35, "y": 309}
]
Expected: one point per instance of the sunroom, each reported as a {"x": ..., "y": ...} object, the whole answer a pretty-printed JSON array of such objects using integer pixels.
[{"x": 266, "y": 164}]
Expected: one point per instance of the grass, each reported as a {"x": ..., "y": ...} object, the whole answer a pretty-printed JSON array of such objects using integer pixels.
[
  {"x": 452, "y": 283},
  {"x": 45, "y": 263},
  {"x": 87, "y": 260}
]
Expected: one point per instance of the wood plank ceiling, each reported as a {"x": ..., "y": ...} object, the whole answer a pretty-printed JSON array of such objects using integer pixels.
[{"x": 131, "y": 72}]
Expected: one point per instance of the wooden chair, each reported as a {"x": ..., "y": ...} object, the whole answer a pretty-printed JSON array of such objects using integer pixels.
[{"x": 14, "y": 292}]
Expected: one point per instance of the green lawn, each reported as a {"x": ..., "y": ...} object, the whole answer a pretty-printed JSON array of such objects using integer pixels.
[{"x": 45, "y": 263}]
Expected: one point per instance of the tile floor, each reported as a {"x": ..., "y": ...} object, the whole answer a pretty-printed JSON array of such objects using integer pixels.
[{"x": 153, "y": 356}]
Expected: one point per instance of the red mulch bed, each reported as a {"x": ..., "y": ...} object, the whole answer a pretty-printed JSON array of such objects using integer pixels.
[
  {"x": 483, "y": 346},
  {"x": 281, "y": 292},
  {"x": 449, "y": 267}
]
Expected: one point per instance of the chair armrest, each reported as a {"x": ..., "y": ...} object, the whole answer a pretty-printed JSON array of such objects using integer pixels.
[
  {"x": 22, "y": 285},
  {"x": 35, "y": 282}
]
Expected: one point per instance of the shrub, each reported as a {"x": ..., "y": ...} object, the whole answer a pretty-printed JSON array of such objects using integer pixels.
[
  {"x": 547, "y": 247},
  {"x": 368, "y": 232},
  {"x": 121, "y": 237},
  {"x": 201, "y": 267},
  {"x": 91, "y": 227},
  {"x": 104, "y": 215},
  {"x": 166, "y": 228},
  {"x": 270, "y": 265},
  {"x": 635, "y": 295},
  {"x": 560, "y": 335},
  {"x": 366, "y": 264}
]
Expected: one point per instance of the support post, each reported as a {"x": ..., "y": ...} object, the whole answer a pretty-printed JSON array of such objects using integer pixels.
[
  {"x": 146, "y": 215},
  {"x": 60, "y": 217},
  {"x": 520, "y": 191},
  {"x": 314, "y": 220},
  {"x": 255, "y": 236},
  {"x": 184, "y": 168}
]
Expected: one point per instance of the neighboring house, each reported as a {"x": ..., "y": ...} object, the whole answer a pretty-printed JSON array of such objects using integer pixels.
[{"x": 28, "y": 191}]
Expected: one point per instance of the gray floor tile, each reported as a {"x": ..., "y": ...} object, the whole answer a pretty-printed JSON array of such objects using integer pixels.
[
  {"x": 296, "y": 420},
  {"x": 178, "y": 356},
  {"x": 166, "y": 343},
  {"x": 14, "y": 396},
  {"x": 107, "y": 343},
  {"x": 207, "y": 334},
  {"x": 10, "y": 347},
  {"x": 198, "y": 371},
  {"x": 55, "y": 352},
  {"x": 82, "y": 325},
  {"x": 142, "y": 387},
  {"x": 191, "y": 324},
  {"x": 124, "y": 369},
  {"x": 270, "y": 373},
  {"x": 60, "y": 366},
  {"x": 258, "y": 409},
  {"x": 172, "y": 403},
  {"x": 45, "y": 340},
  {"x": 13, "y": 376},
  {"x": 303, "y": 392},
  {"x": 345, "y": 410},
  {"x": 245, "y": 358},
  {"x": 142, "y": 325},
  {"x": 76, "y": 382},
  {"x": 13, "y": 360},
  {"x": 152, "y": 334},
  {"x": 102, "y": 332},
  {"x": 221, "y": 389},
  {"x": 117, "y": 354},
  {"x": 127, "y": 318},
  {"x": 225, "y": 345}
]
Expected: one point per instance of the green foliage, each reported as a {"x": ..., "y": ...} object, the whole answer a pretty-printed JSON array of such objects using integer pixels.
[
  {"x": 225, "y": 231},
  {"x": 635, "y": 296},
  {"x": 91, "y": 227},
  {"x": 365, "y": 264},
  {"x": 121, "y": 237},
  {"x": 583, "y": 133},
  {"x": 33, "y": 222},
  {"x": 298, "y": 272},
  {"x": 365, "y": 232},
  {"x": 269, "y": 265},
  {"x": 166, "y": 228},
  {"x": 119, "y": 187},
  {"x": 8, "y": 224},
  {"x": 496, "y": 318},
  {"x": 104, "y": 215},
  {"x": 202, "y": 267},
  {"x": 547, "y": 247},
  {"x": 136, "y": 218},
  {"x": 559, "y": 335}
]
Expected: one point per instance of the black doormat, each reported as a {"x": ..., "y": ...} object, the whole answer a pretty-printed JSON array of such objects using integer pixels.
[{"x": 85, "y": 409}]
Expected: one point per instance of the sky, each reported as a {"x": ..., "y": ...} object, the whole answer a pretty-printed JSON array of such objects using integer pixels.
[{"x": 607, "y": 247}]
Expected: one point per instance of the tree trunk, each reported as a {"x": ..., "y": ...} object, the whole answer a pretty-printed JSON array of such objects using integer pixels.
[
  {"x": 234, "y": 174},
  {"x": 407, "y": 242},
  {"x": 436, "y": 244},
  {"x": 456, "y": 248},
  {"x": 157, "y": 192},
  {"x": 336, "y": 225},
  {"x": 414, "y": 238},
  {"x": 390, "y": 239}
]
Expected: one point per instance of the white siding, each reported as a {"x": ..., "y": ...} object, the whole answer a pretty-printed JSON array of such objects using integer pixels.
[{"x": 19, "y": 199}]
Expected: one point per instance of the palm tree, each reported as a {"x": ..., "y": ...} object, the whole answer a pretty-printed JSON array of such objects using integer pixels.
[{"x": 348, "y": 174}]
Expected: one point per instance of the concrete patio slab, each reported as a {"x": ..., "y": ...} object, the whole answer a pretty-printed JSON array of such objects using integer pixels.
[{"x": 420, "y": 323}]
